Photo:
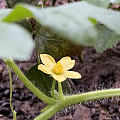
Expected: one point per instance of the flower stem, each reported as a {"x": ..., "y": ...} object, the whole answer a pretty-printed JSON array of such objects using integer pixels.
[
  {"x": 28, "y": 83},
  {"x": 53, "y": 88},
  {"x": 61, "y": 96},
  {"x": 38, "y": 58},
  {"x": 13, "y": 112},
  {"x": 43, "y": 3}
]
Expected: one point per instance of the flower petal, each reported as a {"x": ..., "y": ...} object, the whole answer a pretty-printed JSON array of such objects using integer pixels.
[
  {"x": 72, "y": 74},
  {"x": 59, "y": 78},
  {"x": 67, "y": 63},
  {"x": 44, "y": 68},
  {"x": 47, "y": 60}
]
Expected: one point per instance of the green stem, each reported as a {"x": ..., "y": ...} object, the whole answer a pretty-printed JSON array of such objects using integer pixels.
[
  {"x": 28, "y": 83},
  {"x": 75, "y": 99},
  {"x": 95, "y": 95},
  {"x": 53, "y": 88},
  {"x": 13, "y": 112},
  {"x": 81, "y": 57},
  {"x": 38, "y": 58},
  {"x": 43, "y": 3},
  {"x": 61, "y": 96}
]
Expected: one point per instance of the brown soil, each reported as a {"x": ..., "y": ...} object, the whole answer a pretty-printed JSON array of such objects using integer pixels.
[{"x": 99, "y": 71}]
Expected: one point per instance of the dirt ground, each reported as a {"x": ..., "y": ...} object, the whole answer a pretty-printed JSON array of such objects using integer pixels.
[{"x": 99, "y": 71}]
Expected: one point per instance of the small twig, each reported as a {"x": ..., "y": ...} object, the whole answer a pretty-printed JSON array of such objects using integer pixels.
[{"x": 13, "y": 111}]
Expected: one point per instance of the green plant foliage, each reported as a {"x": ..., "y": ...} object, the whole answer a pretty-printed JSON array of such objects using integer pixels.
[
  {"x": 40, "y": 79},
  {"x": 43, "y": 81},
  {"x": 93, "y": 21},
  {"x": 47, "y": 42},
  {"x": 19, "y": 13},
  {"x": 66, "y": 26},
  {"x": 15, "y": 42},
  {"x": 64, "y": 21},
  {"x": 26, "y": 24},
  {"x": 106, "y": 38},
  {"x": 101, "y": 3}
]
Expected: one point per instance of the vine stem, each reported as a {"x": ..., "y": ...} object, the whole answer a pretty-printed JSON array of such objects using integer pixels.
[
  {"x": 28, "y": 83},
  {"x": 53, "y": 88},
  {"x": 43, "y": 3},
  {"x": 75, "y": 99},
  {"x": 13, "y": 112},
  {"x": 61, "y": 96}
]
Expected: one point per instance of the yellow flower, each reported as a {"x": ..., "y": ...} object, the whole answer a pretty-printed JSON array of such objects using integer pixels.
[{"x": 59, "y": 71}]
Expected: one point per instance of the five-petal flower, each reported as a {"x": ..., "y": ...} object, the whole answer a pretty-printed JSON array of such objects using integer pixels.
[{"x": 59, "y": 71}]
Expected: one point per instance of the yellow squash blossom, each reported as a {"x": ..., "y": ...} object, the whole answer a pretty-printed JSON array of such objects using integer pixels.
[{"x": 59, "y": 71}]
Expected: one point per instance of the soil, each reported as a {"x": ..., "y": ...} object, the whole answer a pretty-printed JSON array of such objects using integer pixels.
[{"x": 99, "y": 71}]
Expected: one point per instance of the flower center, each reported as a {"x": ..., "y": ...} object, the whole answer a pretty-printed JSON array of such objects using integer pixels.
[{"x": 58, "y": 68}]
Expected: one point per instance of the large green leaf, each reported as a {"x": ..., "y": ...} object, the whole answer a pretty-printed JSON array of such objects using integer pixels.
[
  {"x": 15, "y": 42},
  {"x": 106, "y": 38},
  {"x": 43, "y": 81},
  {"x": 101, "y": 3},
  {"x": 73, "y": 21},
  {"x": 65, "y": 25}
]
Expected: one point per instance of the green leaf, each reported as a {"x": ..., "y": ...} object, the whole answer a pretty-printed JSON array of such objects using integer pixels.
[
  {"x": 69, "y": 26},
  {"x": 93, "y": 21},
  {"x": 43, "y": 81},
  {"x": 65, "y": 25},
  {"x": 101, "y": 3},
  {"x": 17, "y": 14},
  {"x": 106, "y": 38},
  {"x": 15, "y": 42},
  {"x": 49, "y": 43},
  {"x": 64, "y": 21}
]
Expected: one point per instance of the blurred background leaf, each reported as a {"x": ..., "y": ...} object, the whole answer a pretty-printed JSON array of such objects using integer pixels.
[
  {"x": 106, "y": 38},
  {"x": 50, "y": 43},
  {"x": 79, "y": 28},
  {"x": 100, "y": 3},
  {"x": 15, "y": 42}
]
